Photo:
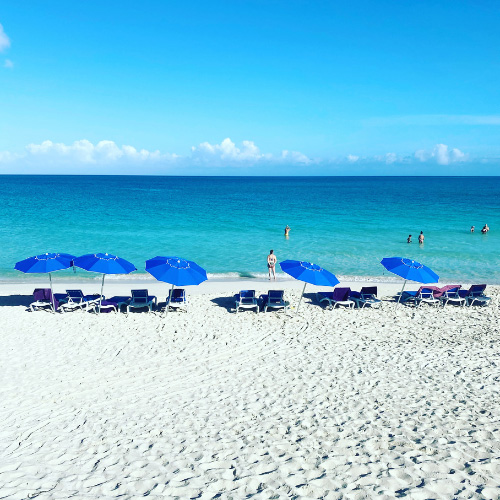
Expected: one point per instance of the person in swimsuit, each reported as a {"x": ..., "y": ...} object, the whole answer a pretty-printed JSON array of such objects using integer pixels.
[
  {"x": 472, "y": 228},
  {"x": 421, "y": 237},
  {"x": 485, "y": 229},
  {"x": 409, "y": 239},
  {"x": 287, "y": 231},
  {"x": 271, "y": 264}
]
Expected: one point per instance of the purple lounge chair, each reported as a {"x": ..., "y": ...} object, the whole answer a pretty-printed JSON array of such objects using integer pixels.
[
  {"x": 366, "y": 297},
  {"x": 43, "y": 299},
  {"x": 475, "y": 294},
  {"x": 339, "y": 297}
]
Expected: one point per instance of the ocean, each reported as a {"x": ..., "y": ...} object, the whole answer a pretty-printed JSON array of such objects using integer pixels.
[{"x": 229, "y": 224}]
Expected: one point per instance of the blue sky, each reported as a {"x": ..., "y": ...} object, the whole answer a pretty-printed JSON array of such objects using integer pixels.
[{"x": 250, "y": 87}]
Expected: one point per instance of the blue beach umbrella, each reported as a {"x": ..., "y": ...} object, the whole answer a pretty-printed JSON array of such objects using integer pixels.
[
  {"x": 104, "y": 263},
  {"x": 309, "y": 273},
  {"x": 176, "y": 271},
  {"x": 46, "y": 263},
  {"x": 409, "y": 269}
]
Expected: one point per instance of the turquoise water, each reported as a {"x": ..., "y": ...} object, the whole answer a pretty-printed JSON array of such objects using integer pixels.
[{"x": 229, "y": 224}]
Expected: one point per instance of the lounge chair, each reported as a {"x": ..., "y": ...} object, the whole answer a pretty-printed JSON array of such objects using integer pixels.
[
  {"x": 113, "y": 304},
  {"x": 366, "y": 297},
  {"x": 425, "y": 294},
  {"x": 475, "y": 295},
  {"x": 177, "y": 298},
  {"x": 43, "y": 300},
  {"x": 140, "y": 299},
  {"x": 76, "y": 300},
  {"x": 275, "y": 300},
  {"x": 451, "y": 294},
  {"x": 339, "y": 297},
  {"x": 246, "y": 299}
]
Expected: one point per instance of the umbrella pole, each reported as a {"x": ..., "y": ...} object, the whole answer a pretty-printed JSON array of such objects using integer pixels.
[
  {"x": 401, "y": 294},
  {"x": 52, "y": 295},
  {"x": 301, "y": 295},
  {"x": 100, "y": 297},
  {"x": 168, "y": 301}
]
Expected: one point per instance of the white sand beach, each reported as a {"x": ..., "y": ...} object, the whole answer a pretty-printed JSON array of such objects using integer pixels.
[{"x": 326, "y": 404}]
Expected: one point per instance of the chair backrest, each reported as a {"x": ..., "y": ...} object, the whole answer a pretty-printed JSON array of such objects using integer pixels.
[
  {"x": 341, "y": 294},
  {"x": 476, "y": 290},
  {"x": 139, "y": 294},
  {"x": 42, "y": 294},
  {"x": 247, "y": 294},
  {"x": 75, "y": 294},
  {"x": 275, "y": 295},
  {"x": 426, "y": 293},
  {"x": 178, "y": 294},
  {"x": 451, "y": 291},
  {"x": 369, "y": 290}
]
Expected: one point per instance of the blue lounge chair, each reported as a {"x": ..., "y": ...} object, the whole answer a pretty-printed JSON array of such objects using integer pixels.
[
  {"x": 246, "y": 299},
  {"x": 140, "y": 299},
  {"x": 76, "y": 300},
  {"x": 275, "y": 300},
  {"x": 475, "y": 295},
  {"x": 43, "y": 300},
  {"x": 177, "y": 298},
  {"x": 339, "y": 297},
  {"x": 452, "y": 294},
  {"x": 366, "y": 297},
  {"x": 425, "y": 294}
]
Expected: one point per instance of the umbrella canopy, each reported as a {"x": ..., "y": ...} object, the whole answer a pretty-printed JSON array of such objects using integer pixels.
[
  {"x": 410, "y": 269},
  {"x": 176, "y": 271},
  {"x": 104, "y": 263},
  {"x": 309, "y": 273},
  {"x": 45, "y": 263}
]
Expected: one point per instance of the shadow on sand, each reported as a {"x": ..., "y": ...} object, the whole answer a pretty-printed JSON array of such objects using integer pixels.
[
  {"x": 225, "y": 302},
  {"x": 16, "y": 300}
]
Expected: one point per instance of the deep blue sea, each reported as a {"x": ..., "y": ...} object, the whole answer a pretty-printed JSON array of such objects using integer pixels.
[{"x": 229, "y": 224}]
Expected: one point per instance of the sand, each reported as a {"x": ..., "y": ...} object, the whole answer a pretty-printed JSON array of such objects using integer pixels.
[{"x": 211, "y": 404}]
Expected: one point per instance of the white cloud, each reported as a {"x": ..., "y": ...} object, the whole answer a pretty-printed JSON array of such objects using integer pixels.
[
  {"x": 441, "y": 154},
  {"x": 227, "y": 151},
  {"x": 106, "y": 156},
  {"x": 228, "y": 154},
  {"x": 8, "y": 64},
  {"x": 391, "y": 158},
  {"x": 295, "y": 157},
  {"x": 4, "y": 40},
  {"x": 84, "y": 152}
]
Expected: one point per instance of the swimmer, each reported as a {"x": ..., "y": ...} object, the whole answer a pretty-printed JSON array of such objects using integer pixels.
[
  {"x": 287, "y": 230},
  {"x": 409, "y": 239},
  {"x": 421, "y": 237},
  {"x": 472, "y": 228},
  {"x": 271, "y": 264},
  {"x": 485, "y": 229}
]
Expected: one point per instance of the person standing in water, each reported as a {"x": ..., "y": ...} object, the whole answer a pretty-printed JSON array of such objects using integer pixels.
[
  {"x": 409, "y": 239},
  {"x": 271, "y": 264},
  {"x": 287, "y": 231},
  {"x": 421, "y": 237},
  {"x": 472, "y": 228}
]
